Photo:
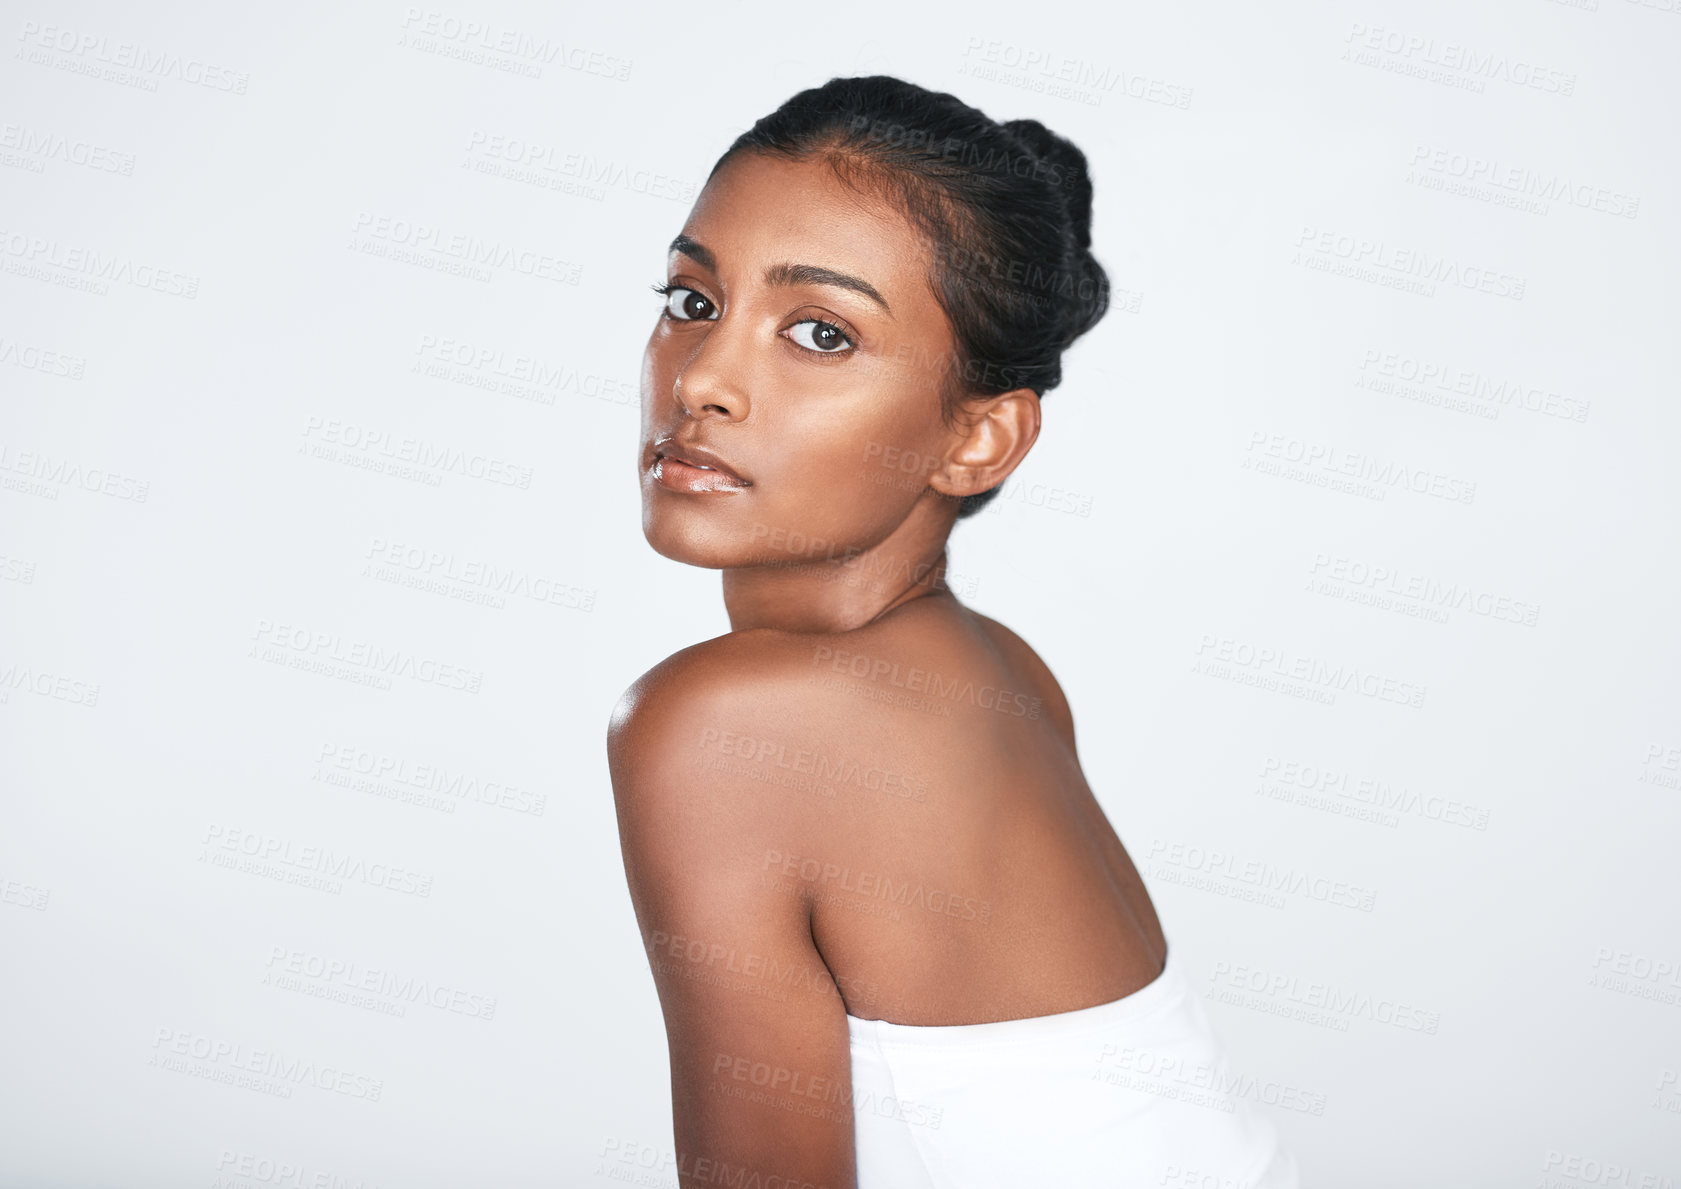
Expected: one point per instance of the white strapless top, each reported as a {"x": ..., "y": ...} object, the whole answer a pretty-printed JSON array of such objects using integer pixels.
[{"x": 1135, "y": 1092}]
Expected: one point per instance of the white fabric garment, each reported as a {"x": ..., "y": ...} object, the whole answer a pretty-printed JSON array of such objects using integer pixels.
[{"x": 1136, "y": 1092}]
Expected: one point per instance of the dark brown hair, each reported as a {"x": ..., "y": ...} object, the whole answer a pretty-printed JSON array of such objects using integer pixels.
[{"x": 1005, "y": 209}]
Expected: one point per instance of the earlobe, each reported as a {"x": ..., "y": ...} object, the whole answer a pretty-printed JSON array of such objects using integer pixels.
[{"x": 958, "y": 482}]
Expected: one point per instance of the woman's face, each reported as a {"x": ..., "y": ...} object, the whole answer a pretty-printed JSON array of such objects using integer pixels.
[{"x": 801, "y": 354}]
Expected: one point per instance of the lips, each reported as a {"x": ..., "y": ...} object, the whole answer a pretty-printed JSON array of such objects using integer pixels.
[{"x": 702, "y": 460}]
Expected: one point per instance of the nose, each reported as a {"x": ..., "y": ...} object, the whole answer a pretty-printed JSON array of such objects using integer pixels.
[{"x": 711, "y": 381}]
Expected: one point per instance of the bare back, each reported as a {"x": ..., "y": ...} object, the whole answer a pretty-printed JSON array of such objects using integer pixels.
[{"x": 957, "y": 867}]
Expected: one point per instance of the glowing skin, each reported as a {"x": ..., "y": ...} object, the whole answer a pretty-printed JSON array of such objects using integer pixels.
[
  {"x": 795, "y": 397},
  {"x": 809, "y": 390}
]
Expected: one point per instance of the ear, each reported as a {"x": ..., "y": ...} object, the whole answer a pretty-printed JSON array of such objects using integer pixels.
[{"x": 994, "y": 434}]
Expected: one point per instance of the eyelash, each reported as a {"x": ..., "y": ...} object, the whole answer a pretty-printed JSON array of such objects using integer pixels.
[{"x": 666, "y": 289}]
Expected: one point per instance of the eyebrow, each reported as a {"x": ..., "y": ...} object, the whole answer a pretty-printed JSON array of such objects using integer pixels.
[{"x": 787, "y": 274}]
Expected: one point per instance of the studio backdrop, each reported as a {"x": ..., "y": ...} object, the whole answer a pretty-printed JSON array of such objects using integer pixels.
[{"x": 1351, "y": 534}]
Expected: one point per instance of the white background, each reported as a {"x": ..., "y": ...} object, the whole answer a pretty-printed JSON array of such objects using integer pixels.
[{"x": 193, "y": 507}]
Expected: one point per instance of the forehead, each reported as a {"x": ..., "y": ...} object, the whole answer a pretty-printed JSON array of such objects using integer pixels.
[{"x": 760, "y": 209}]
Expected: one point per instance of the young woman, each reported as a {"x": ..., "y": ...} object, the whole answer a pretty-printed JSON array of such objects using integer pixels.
[{"x": 895, "y": 939}]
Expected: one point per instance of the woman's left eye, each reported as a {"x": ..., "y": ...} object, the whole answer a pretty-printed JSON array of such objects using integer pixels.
[{"x": 823, "y": 337}]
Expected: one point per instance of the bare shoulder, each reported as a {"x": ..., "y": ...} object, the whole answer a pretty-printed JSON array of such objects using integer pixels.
[
  {"x": 1022, "y": 654},
  {"x": 934, "y": 681},
  {"x": 723, "y": 681},
  {"x": 714, "y": 735},
  {"x": 719, "y": 663},
  {"x": 741, "y": 982}
]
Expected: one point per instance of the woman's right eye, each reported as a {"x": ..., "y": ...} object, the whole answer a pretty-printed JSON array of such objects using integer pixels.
[{"x": 686, "y": 305}]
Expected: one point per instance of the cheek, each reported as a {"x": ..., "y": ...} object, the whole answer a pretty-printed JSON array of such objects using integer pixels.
[
  {"x": 894, "y": 441},
  {"x": 848, "y": 466}
]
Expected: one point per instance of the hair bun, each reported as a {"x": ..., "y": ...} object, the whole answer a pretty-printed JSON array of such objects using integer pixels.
[
  {"x": 1066, "y": 171},
  {"x": 1004, "y": 208}
]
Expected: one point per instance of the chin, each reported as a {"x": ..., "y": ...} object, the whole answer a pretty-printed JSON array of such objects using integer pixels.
[{"x": 693, "y": 538}]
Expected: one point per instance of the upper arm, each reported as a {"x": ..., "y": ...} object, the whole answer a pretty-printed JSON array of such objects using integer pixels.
[{"x": 758, "y": 1040}]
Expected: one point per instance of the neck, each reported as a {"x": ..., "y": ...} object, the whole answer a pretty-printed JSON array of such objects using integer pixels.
[{"x": 848, "y": 590}]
